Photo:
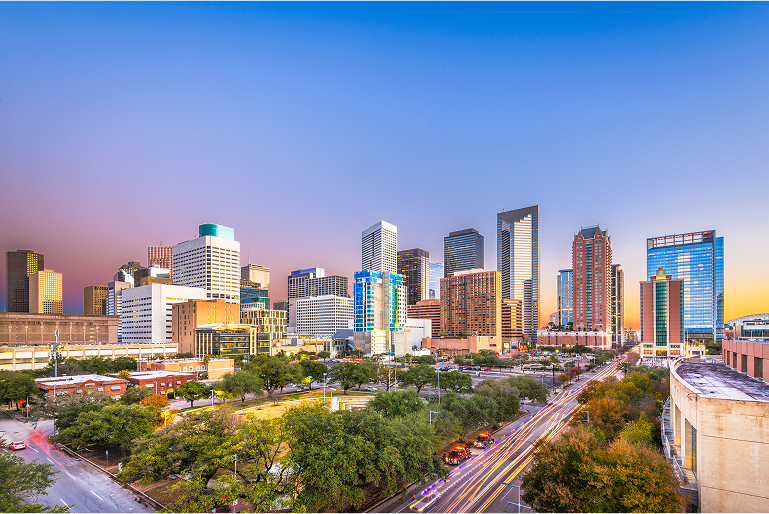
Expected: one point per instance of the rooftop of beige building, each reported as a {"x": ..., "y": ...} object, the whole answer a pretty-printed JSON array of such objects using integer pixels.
[{"x": 721, "y": 381}]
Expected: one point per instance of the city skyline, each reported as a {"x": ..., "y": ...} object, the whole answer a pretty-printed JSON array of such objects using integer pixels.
[{"x": 513, "y": 105}]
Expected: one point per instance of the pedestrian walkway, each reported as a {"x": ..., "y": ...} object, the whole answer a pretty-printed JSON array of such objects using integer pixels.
[{"x": 686, "y": 477}]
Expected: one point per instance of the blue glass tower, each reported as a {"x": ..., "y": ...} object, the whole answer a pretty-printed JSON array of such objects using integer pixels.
[
  {"x": 698, "y": 258},
  {"x": 436, "y": 274},
  {"x": 565, "y": 297},
  {"x": 462, "y": 250},
  {"x": 210, "y": 229}
]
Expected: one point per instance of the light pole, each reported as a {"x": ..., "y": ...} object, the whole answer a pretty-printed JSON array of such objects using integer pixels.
[
  {"x": 325, "y": 383},
  {"x": 235, "y": 456},
  {"x": 439, "y": 386},
  {"x": 519, "y": 495},
  {"x": 431, "y": 415}
]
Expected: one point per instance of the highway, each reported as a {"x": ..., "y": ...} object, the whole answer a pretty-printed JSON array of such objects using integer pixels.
[
  {"x": 78, "y": 484},
  {"x": 476, "y": 484}
]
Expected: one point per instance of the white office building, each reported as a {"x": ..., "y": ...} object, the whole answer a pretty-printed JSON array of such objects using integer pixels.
[
  {"x": 146, "y": 311},
  {"x": 321, "y": 316},
  {"x": 115, "y": 302},
  {"x": 379, "y": 248},
  {"x": 211, "y": 263}
]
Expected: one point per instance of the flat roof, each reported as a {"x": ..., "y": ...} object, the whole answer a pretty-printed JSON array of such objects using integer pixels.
[
  {"x": 721, "y": 381},
  {"x": 74, "y": 379},
  {"x": 158, "y": 374}
]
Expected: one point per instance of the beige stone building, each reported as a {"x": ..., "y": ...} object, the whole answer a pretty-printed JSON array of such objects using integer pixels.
[
  {"x": 45, "y": 293},
  {"x": 95, "y": 300},
  {"x": 216, "y": 368},
  {"x": 717, "y": 435},
  {"x": 15, "y": 358},
  {"x": 17, "y": 328},
  {"x": 187, "y": 316}
]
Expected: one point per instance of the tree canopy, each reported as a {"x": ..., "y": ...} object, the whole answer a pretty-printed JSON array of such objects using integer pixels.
[
  {"x": 192, "y": 391},
  {"x": 418, "y": 375},
  {"x": 240, "y": 384},
  {"x": 21, "y": 482}
]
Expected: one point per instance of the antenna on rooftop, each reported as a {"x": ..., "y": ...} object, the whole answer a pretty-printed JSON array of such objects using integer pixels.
[{"x": 249, "y": 248}]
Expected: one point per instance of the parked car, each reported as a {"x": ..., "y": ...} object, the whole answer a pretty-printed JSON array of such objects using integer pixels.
[
  {"x": 18, "y": 445},
  {"x": 371, "y": 388},
  {"x": 457, "y": 455},
  {"x": 486, "y": 369}
]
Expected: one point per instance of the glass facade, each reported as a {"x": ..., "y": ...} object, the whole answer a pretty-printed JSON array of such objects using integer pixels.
[
  {"x": 462, "y": 250},
  {"x": 226, "y": 340},
  {"x": 697, "y": 258},
  {"x": 436, "y": 274},
  {"x": 380, "y": 301},
  {"x": 211, "y": 229},
  {"x": 565, "y": 297}
]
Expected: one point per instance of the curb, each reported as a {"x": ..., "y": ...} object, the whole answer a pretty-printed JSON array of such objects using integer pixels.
[{"x": 158, "y": 506}]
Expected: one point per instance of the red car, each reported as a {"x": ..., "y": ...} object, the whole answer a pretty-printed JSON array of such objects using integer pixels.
[
  {"x": 457, "y": 455},
  {"x": 18, "y": 445},
  {"x": 486, "y": 369}
]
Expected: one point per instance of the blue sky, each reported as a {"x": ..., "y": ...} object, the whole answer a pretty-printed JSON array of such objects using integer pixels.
[{"x": 301, "y": 124}]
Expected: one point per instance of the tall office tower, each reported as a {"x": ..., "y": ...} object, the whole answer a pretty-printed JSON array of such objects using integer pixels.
[
  {"x": 322, "y": 316},
  {"x": 252, "y": 292},
  {"x": 512, "y": 322},
  {"x": 297, "y": 281},
  {"x": 591, "y": 262},
  {"x": 161, "y": 256},
  {"x": 45, "y": 294},
  {"x": 189, "y": 315},
  {"x": 698, "y": 258},
  {"x": 565, "y": 297},
  {"x": 415, "y": 266},
  {"x": 436, "y": 274},
  {"x": 617, "y": 305},
  {"x": 115, "y": 302},
  {"x": 427, "y": 309},
  {"x": 331, "y": 285},
  {"x": 662, "y": 316},
  {"x": 19, "y": 265},
  {"x": 518, "y": 262},
  {"x": 95, "y": 300},
  {"x": 256, "y": 273},
  {"x": 380, "y": 301},
  {"x": 462, "y": 251},
  {"x": 379, "y": 248},
  {"x": 471, "y": 304},
  {"x": 210, "y": 262},
  {"x": 147, "y": 311}
]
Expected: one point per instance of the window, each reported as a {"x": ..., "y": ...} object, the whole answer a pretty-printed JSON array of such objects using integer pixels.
[
  {"x": 148, "y": 385},
  {"x": 115, "y": 388}
]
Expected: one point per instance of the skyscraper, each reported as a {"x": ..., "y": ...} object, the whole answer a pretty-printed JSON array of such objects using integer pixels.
[
  {"x": 436, "y": 274},
  {"x": 256, "y": 273},
  {"x": 462, "y": 251},
  {"x": 297, "y": 281},
  {"x": 662, "y": 316},
  {"x": 518, "y": 262},
  {"x": 471, "y": 304},
  {"x": 379, "y": 300},
  {"x": 698, "y": 258},
  {"x": 512, "y": 322},
  {"x": 95, "y": 300},
  {"x": 161, "y": 256},
  {"x": 617, "y": 305},
  {"x": 591, "y": 262},
  {"x": 565, "y": 297},
  {"x": 210, "y": 262},
  {"x": 45, "y": 292},
  {"x": 415, "y": 266},
  {"x": 379, "y": 248},
  {"x": 19, "y": 265}
]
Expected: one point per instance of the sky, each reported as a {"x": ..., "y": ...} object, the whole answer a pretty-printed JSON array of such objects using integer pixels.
[{"x": 301, "y": 124}]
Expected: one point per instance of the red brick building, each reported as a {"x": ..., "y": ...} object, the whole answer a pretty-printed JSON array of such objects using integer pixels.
[
  {"x": 591, "y": 262},
  {"x": 72, "y": 386},
  {"x": 161, "y": 382},
  {"x": 593, "y": 339},
  {"x": 427, "y": 309}
]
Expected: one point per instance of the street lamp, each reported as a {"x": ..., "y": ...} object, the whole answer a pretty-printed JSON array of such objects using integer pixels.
[
  {"x": 235, "y": 456},
  {"x": 519, "y": 495},
  {"x": 325, "y": 383},
  {"x": 439, "y": 386}
]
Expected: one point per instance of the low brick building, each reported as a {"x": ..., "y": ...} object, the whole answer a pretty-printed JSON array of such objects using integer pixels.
[
  {"x": 161, "y": 382},
  {"x": 216, "y": 368},
  {"x": 463, "y": 346},
  {"x": 78, "y": 384}
]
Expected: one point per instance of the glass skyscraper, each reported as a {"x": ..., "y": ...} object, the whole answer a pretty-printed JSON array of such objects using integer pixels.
[
  {"x": 212, "y": 229},
  {"x": 565, "y": 297},
  {"x": 462, "y": 250},
  {"x": 698, "y": 258},
  {"x": 436, "y": 274},
  {"x": 380, "y": 301}
]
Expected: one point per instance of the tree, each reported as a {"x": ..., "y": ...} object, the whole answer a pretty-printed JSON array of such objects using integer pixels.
[
  {"x": 193, "y": 390},
  {"x": 633, "y": 358},
  {"x": 459, "y": 360},
  {"x": 241, "y": 384},
  {"x": 425, "y": 359},
  {"x": 528, "y": 387},
  {"x": 313, "y": 370},
  {"x": 386, "y": 376},
  {"x": 472, "y": 413},
  {"x": 114, "y": 424},
  {"x": 21, "y": 481},
  {"x": 349, "y": 374},
  {"x": 135, "y": 394},
  {"x": 275, "y": 372},
  {"x": 563, "y": 378},
  {"x": 640, "y": 432},
  {"x": 398, "y": 403},
  {"x": 68, "y": 411},
  {"x": 418, "y": 376},
  {"x": 16, "y": 386},
  {"x": 324, "y": 355},
  {"x": 606, "y": 416},
  {"x": 506, "y": 397},
  {"x": 455, "y": 381}
]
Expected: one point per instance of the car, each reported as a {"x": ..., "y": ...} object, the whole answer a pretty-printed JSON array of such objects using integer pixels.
[
  {"x": 18, "y": 445},
  {"x": 457, "y": 455},
  {"x": 486, "y": 369},
  {"x": 371, "y": 388},
  {"x": 483, "y": 440}
]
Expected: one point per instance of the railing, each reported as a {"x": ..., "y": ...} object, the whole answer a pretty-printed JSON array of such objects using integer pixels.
[{"x": 668, "y": 452}]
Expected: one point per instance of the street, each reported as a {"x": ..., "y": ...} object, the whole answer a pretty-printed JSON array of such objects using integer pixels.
[
  {"x": 477, "y": 484},
  {"x": 78, "y": 484}
]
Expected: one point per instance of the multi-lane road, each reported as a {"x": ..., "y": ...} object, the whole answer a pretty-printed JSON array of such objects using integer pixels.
[
  {"x": 477, "y": 484},
  {"x": 77, "y": 484}
]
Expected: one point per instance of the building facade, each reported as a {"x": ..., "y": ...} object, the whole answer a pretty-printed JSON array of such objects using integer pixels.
[
  {"x": 161, "y": 256},
  {"x": 23, "y": 328},
  {"x": 147, "y": 311},
  {"x": 95, "y": 300},
  {"x": 322, "y": 316},
  {"x": 591, "y": 262},
  {"x": 230, "y": 341},
  {"x": 324, "y": 286},
  {"x": 297, "y": 281},
  {"x": 518, "y": 262},
  {"x": 380, "y": 301},
  {"x": 754, "y": 327},
  {"x": 662, "y": 317},
  {"x": 252, "y": 292},
  {"x": 187, "y": 316},
  {"x": 471, "y": 304},
  {"x": 216, "y": 368},
  {"x": 115, "y": 302},
  {"x": 437, "y": 272},
  {"x": 280, "y": 306},
  {"x": 158, "y": 381},
  {"x": 617, "y": 305},
  {"x": 379, "y": 248},
  {"x": 45, "y": 292},
  {"x": 593, "y": 339},
  {"x": 74, "y": 386},
  {"x": 19, "y": 265},
  {"x": 37, "y": 356},
  {"x": 258, "y": 274},
  {"x": 428, "y": 309},
  {"x": 211, "y": 263},
  {"x": 565, "y": 297},
  {"x": 462, "y": 251},
  {"x": 414, "y": 264},
  {"x": 512, "y": 323},
  {"x": 270, "y": 324}
]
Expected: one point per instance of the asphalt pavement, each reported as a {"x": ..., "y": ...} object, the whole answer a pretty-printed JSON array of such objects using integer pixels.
[{"x": 78, "y": 484}]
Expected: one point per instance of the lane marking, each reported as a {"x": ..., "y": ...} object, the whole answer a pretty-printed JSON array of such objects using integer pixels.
[
  {"x": 62, "y": 501},
  {"x": 99, "y": 497}
]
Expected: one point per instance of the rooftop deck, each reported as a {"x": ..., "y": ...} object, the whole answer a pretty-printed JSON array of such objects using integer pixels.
[{"x": 721, "y": 381}]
